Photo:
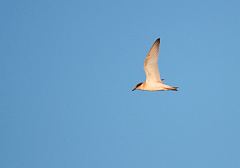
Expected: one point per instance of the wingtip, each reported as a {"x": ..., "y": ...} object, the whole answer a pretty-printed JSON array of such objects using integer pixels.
[{"x": 158, "y": 39}]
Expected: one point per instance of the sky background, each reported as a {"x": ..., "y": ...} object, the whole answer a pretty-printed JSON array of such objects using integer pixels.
[{"x": 67, "y": 69}]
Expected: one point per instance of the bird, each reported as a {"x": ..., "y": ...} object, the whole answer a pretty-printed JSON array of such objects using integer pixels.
[{"x": 153, "y": 81}]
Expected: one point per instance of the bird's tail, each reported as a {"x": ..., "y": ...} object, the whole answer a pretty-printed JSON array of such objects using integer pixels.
[{"x": 173, "y": 88}]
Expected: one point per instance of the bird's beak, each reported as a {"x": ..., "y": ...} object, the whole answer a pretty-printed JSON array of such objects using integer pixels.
[{"x": 133, "y": 89}]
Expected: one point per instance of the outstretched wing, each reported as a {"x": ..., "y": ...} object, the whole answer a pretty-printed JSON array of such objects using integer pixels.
[{"x": 151, "y": 64}]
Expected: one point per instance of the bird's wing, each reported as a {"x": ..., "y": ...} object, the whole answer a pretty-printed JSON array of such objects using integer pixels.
[{"x": 151, "y": 63}]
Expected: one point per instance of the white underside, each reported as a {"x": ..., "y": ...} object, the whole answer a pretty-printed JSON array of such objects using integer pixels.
[{"x": 155, "y": 86}]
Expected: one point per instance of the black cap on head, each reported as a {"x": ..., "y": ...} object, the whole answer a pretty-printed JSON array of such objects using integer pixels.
[{"x": 136, "y": 86}]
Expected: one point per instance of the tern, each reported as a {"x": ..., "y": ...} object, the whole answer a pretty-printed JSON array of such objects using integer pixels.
[{"x": 153, "y": 81}]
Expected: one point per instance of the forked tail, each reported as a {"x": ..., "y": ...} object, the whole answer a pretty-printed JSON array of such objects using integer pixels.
[{"x": 173, "y": 88}]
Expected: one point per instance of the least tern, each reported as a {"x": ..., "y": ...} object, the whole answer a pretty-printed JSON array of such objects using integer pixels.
[{"x": 153, "y": 81}]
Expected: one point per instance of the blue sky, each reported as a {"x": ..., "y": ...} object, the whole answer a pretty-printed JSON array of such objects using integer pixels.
[{"x": 67, "y": 69}]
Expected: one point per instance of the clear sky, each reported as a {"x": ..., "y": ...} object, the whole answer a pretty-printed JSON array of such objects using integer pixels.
[{"x": 67, "y": 69}]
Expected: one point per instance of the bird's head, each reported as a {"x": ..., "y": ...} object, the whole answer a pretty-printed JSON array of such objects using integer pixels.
[{"x": 137, "y": 86}]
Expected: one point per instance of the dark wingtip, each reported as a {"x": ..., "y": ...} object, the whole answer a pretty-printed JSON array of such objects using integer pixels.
[{"x": 158, "y": 39}]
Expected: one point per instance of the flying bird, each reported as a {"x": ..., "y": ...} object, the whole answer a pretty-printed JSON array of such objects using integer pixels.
[{"x": 153, "y": 81}]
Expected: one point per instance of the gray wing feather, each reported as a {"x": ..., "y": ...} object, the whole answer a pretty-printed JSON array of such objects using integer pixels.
[{"x": 151, "y": 63}]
